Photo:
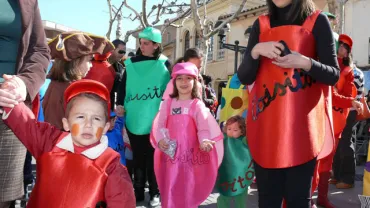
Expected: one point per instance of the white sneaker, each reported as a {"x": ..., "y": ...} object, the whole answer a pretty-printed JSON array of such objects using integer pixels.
[{"x": 155, "y": 201}]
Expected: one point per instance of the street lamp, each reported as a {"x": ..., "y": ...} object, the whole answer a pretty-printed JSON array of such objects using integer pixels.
[{"x": 236, "y": 47}]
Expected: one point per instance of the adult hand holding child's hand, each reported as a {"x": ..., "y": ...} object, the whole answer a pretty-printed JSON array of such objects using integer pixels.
[{"x": 12, "y": 91}]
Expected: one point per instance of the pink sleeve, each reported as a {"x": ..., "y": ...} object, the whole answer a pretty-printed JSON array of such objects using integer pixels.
[
  {"x": 118, "y": 190},
  {"x": 161, "y": 121},
  {"x": 168, "y": 91},
  {"x": 201, "y": 114},
  {"x": 37, "y": 137}
]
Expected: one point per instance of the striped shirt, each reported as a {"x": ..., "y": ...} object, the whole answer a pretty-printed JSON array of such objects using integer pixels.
[{"x": 359, "y": 83}]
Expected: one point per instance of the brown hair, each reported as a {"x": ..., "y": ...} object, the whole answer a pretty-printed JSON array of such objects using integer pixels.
[
  {"x": 298, "y": 12},
  {"x": 194, "y": 91},
  {"x": 347, "y": 61},
  {"x": 157, "y": 52},
  {"x": 241, "y": 122},
  {"x": 68, "y": 71},
  {"x": 90, "y": 96},
  {"x": 192, "y": 53}
]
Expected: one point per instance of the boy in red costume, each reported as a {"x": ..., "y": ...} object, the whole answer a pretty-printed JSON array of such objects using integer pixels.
[
  {"x": 343, "y": 98},
  {"x": 76, "y": 168}
]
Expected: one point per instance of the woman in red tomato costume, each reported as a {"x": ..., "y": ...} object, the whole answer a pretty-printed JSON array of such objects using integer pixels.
[
  {"x": 290, "y": 112},
  {"x": 344, "y": 94}
]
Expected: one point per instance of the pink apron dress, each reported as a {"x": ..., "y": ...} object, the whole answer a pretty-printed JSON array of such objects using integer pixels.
[{"x": 188, "y": 179}]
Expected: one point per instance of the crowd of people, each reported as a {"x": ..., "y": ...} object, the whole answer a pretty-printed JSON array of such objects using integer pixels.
[{"x": 103, "y": 127}]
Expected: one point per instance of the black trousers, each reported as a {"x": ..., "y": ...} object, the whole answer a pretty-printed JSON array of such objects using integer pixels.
[
  {"x": 27, "y": 171},
  {"x": 344, "y": 164},
  {"x": 130, "y": 168},
  {"x": 143, "y": 164},
  {"x": 293, "y": 184}
]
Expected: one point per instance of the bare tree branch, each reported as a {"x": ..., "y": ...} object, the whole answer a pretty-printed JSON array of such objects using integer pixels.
[
  {"x": 205, "y": 12},
  {"x": 135, "y": 12},
  {"x": 160, "y": 6},
  {"x": 215, "y": 30},
  {"x": 110, "y": 19},
  {"x": 129, "y": 17},
  {"x": 152, "y": 10},
  {"x": 144, "y": 16},
  {"x": 130, "y": 32},
  {"x": 118, "y": 10},
  {"x": 170, "y": 22},
  {"x": 196, "y": 17}
]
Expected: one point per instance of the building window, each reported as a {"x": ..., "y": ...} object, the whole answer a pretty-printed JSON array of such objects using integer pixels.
[
  {"x": 187, "y": 41},
  {"x": 221, "y": 52},
  {"x": 210, "y": 49}
]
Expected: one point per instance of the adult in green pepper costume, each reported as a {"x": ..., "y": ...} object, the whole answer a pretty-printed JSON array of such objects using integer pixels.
[
  {"x": 236, "y": 172},
  {"x": 142, "y": 86},
  {"x": 333, "y": 22}
]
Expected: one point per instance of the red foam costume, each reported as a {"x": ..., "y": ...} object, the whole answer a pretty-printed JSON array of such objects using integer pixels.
[
  {"x": 344, "y": 93},
  {"x": 284, "y": 100},
  {"x": 102, "y": 71},
  {"x": 69, "y": 178}
]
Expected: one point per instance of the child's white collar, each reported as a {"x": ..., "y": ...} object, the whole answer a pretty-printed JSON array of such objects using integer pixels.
[{"x": 94, "y": 152}]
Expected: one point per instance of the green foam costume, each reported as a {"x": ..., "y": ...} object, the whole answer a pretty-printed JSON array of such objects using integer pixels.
[
  {"x": 145, "y": 84},
  {"x": 236, "y": 172},
  {"x": 146, "y": 81}
]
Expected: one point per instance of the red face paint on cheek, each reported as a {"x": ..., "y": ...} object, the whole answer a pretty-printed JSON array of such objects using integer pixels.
[
  {"x": 99, "y": 133},
  {"x": 75, "y": 129}
]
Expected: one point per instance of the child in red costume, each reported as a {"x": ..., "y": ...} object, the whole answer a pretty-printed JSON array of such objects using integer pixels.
[
  {"x": 343, "y": 98},
  {"x": 102, "y": 71},
  {"x": 76, "y": 168}
]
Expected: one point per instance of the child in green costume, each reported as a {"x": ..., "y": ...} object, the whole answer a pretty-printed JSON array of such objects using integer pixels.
[{"x": 236, "y": 172}]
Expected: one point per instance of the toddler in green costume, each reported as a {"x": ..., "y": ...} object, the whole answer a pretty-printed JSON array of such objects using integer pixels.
[{"x": 236, "y": 172}]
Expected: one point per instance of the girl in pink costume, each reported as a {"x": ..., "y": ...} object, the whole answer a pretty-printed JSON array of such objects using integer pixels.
[{"x": 187, "y": 179}]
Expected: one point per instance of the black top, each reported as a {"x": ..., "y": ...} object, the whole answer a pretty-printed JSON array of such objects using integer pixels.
[
  {"x": 122, "y": 85},
  {"x": 326, "y": 70},
  {"x": 119, "y": 69}
]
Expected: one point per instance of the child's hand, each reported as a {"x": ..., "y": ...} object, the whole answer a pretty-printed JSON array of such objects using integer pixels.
[
  {"x": 207, "y": 145},
  {"x": 120, "y": 111},
  {"x": 162, "y": 145}
]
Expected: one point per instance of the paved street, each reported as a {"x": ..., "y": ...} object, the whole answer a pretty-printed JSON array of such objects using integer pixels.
[{"x": 340, "y": 198}]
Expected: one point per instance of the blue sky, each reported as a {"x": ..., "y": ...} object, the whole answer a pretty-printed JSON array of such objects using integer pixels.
[{"x": 90, "y": 15}]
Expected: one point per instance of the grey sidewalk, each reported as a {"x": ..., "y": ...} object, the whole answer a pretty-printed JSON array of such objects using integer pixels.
[{"x": 340, "y": 198}]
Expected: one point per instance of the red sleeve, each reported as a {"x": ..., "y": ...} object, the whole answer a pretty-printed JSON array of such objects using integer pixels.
[
  {"x": 37, "y": 137},
  {"x": 349, "y": 88},
  {"x": 340, "y": 100},
  {"x": 347, "y": 95},
  {"x": 119, "y": 191}
]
